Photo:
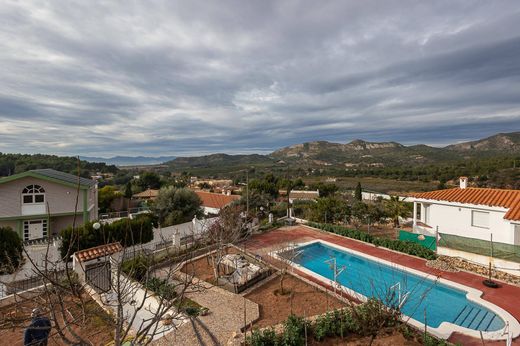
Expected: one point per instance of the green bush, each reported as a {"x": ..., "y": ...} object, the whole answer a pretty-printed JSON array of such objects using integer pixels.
[
  {"x": 370, "y": 317},
  {"x": 396, "y": 245},
  {"x": 137, "y": 267},
  {"x": 267, "y": 337},
  {"x": 294, "y": 331},
  {"x": 126, "y": 231},
  {"x": 11, "y": 248},
  {"x": 335, "y": 323},
  {"x": 161, "y": 287}
]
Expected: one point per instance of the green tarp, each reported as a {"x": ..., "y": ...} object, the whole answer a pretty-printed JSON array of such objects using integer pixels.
[{"x": 428, "y": 242}]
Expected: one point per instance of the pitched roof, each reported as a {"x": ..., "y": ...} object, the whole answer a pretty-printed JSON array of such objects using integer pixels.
[
  {"x": 53, "y": 175},
  {"x": 301, "y": 194},
  {"x": 149, "y": 193},
  {"x": 509, "y": 199},
  {"x": 215, "y": 200},
  {"x": 98, "y": 251}
]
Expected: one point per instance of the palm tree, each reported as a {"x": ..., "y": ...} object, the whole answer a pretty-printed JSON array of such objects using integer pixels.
[{"x": 396, "y": 209}]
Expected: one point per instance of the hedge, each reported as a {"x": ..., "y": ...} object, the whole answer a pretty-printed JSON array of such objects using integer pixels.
[
  {"x": 126, "y": 231},
  {"x": 392, "y": 244}
]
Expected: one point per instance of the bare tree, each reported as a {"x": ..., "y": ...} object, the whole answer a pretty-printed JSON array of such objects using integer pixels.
[
  {"x": 287, "y": 254},
  {"x": 230, "y": 227},
  {"x": 144, "y": 302}
]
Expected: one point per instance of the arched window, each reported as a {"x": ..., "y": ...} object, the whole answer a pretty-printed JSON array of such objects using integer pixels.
[{"x": 33, "y": 194}]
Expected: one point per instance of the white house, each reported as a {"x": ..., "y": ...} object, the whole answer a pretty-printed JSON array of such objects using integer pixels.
[
  {"x": 478, "y": 213},
  {"x": 213, "y": 202},
  {"x": 471, "y": 212}
]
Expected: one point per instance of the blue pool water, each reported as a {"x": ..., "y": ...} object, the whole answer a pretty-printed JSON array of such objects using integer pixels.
[{"x": 373, "y": 279}]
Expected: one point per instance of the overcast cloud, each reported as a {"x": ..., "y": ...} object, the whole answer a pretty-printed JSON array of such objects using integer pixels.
[{"x": 195, "y": 77}]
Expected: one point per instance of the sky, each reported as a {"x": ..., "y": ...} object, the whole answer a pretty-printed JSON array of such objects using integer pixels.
[{"x": 104, "y": 78}]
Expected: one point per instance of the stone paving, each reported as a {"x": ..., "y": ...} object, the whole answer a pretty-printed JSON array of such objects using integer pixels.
[{"x": 223, "y": 322}]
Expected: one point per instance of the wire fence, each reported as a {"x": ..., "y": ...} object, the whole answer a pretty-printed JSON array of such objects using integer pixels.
[{"x": 503, "y": 251}]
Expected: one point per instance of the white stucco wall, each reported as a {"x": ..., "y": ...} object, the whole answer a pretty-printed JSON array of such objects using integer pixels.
[{"x": 456, "y": 219}]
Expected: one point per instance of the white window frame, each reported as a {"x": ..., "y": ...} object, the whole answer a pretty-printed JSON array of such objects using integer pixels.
[
  {"x": 33, "y": 191},
  {"x": 482, "y": 214}
]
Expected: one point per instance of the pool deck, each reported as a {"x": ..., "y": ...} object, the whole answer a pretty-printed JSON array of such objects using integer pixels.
[{"x": 506, "y": 297}]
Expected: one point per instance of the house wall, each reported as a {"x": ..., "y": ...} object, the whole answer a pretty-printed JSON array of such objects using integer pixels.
[
  {"x": 209, "y": 210},
  {"x": 9, "y": 223},
  {"x": 62, "y": 222},
  {"x": 60, "y": 198},
  {"x": 454, "y": 219}
]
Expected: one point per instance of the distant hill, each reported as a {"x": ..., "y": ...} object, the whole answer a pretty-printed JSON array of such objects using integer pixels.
[
  {"x": 129, "y": 160},
  {"x": 359, "y": 153},
  {"x": 362, "y": 152},
  {"x": 17, "y": 163},
  {"x": 501, "y": 142},
  {"x": 216, "y": 160}
]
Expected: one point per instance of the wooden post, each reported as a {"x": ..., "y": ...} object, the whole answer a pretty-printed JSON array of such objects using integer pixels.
[
  {"x": 245, "y": 320},
  {"x": 305, "y": 325}
]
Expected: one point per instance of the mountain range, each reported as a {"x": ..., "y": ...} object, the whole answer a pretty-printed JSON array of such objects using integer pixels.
[
  {"x": 129, "y": 160},
  {"x": 323, "y": 153},
  {"x": 362, "y": 153}
]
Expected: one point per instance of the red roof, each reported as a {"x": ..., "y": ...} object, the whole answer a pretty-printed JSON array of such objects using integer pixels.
[
  {"x": 215, "y": 200},
  {"x": 98, "y": 251},
  {"x": 509, "y": 199}
]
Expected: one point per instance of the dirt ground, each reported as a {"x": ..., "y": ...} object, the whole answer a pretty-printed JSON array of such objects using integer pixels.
[
  {"x": 394, "y": 338},
  {"x": 202, "y": 268},
  {"x": 304, "y": 299},
  {"x": 95, "y": 328}
]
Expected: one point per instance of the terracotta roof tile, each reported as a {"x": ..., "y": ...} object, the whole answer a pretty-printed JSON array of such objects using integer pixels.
[
  {"x": 509, "y": 199},
  {"x": 98, "y": 251},
  {"x": 215, "y": 200},
  {"x": 150, "y": 193}
]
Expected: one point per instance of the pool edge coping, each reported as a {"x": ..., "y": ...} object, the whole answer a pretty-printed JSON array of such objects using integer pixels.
[{"x": 445, "y": 329}]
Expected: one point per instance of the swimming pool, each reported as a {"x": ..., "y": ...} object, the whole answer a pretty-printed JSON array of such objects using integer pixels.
[{"x": 445, "y": 306}]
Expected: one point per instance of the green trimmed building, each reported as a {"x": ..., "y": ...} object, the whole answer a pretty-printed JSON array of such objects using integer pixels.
[{"x": 41, "y": 202}]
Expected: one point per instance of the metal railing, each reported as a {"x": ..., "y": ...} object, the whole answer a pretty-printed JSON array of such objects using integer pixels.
[{"x": 123, "y": 214}]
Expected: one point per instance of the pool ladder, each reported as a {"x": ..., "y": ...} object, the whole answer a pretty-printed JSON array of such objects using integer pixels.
[{"x": 475, "y": 318}]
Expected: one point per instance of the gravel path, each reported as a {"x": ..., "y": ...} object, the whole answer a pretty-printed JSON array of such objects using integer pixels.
[{"x": 225, "y": 318}]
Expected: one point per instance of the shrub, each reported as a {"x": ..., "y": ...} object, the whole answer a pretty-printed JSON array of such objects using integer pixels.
[
  {"x": 267, "y": 337},
  {"x": 137, "y": 267},
  {"x": 335, "y": 323},
  {"x": 294, "y": 331},
  {"x": 161, "y": 287},
  {"x": 396, "y": 245},
  {"x": 126, "y": 231},
  {"x": 370, "y": 317},
  {"x": 11, "y": 248}
]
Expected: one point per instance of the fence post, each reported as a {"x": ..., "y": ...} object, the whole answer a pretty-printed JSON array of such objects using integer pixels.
[{"x": 437, "y": 240}]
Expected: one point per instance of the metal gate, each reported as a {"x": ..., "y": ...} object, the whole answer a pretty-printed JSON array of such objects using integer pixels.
[{"x": 98, "y": 276}]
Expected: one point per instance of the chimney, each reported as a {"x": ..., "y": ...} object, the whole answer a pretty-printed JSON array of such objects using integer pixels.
[
  {"x": 228, "y": 192},
  {"x": 463, "y": 182}
]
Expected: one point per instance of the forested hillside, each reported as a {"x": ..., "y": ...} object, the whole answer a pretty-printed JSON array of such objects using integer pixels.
[{"x": 17, "y": 163}]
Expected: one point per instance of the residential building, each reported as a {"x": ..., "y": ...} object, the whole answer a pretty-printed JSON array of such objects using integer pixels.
[
  {"x": 149, "y": 194},
  {"x": 41, "y": 202},
  {"x": 213, "y": 202},
  {"x": 370, "y": 195},
  {"x": 471, "y": 212}
]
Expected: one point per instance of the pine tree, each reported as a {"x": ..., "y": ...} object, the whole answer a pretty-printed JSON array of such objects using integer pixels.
[{"x": 357, "y": 193}]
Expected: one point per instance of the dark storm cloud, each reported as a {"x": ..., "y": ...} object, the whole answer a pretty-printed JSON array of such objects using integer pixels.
[{"x": 194, "y": 77}]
